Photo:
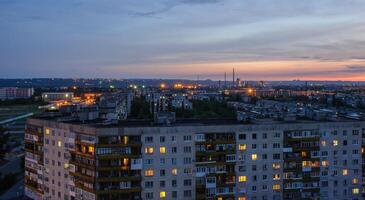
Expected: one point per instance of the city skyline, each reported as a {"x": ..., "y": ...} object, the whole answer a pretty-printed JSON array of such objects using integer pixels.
[{"x": 287, "y": 40}]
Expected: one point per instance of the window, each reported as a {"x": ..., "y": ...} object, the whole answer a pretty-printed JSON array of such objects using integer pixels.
[
  {"x": 276, "y": 187},
  {"x": 148, "y": 150},
  {"x": 173, "y": 138},
  {"x": 254, "y": 136},
  {"x": 174, "y": 183},
  {"x": 149, "y": 195},
  {"x": 47, "y": 131},
  {"x": 162, "y": 194},
  {"x": 174, "y": 171},
  {"x": 187, "y": 160},
  {"x": 355, "y": 191},
  {"x": 276, "y": 177},
  {"x": 91, "y": 149},
  {"x": 187, "y": 193},
  {"x": 148, "y": 184},
  {"x": 187, "y": 182},
  {"x": 355, "y": 181},
  {"x": 335, "y": 142},
  {"x": 254, "y": 156},
  {"x": 174, "y": 149},
  {"x": 148, "y": 161},
  {"x": 242, "y": 136},
  {"x": 162, "y": 138},
  {"x": 276, "y": 156},
  {"x": 59, "y": 143},
  {"x": 148, "y": 172},
  {"x": 162, "y": 150},
  {"x": 325, "y": 163},
  {"x": 162, "y": 184},
  {"x": 162, "y": 172},
  {"x": 241, "y": 147},
  {"x": 324, "y": 143},
  {"x": 242, "y": 179},
  {"x": 187, "y": 149},
  {"x": 276, "y": 165},
  {"x": 148, "y": 139},
  {"x": 345, "y": 172},
  {"x": 187, "y": 138}
]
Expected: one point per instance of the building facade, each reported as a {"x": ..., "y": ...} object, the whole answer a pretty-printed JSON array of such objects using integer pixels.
[
  {"x": 220, "y": 161},
  {"x": 15, "y": 93}
]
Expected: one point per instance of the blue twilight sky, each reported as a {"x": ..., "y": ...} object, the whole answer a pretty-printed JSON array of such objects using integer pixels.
[{"x": 262, "y": 39}]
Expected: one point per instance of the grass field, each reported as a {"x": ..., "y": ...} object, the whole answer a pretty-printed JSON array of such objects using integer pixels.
[{"x": 15, "y": 110}]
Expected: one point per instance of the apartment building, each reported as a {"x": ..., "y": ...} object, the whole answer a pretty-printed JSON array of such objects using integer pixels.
[
  {"x": 220, "y": 160},
  {"x": 15, "y": 93}
]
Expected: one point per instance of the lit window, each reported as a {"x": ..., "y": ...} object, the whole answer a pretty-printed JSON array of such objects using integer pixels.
[
  {"x": 148, "y": 172},
  {"x": 276, "y": 187},
  {"x": 162, "y": 149},
  {"x": 306, "y": 163},
  {"x": 355, "y": 181},
  {"x": 174, "y": 171},
  {"x": 125, "y": 139},
  {"x": 47, "y": 131},
  {"x": 345, "y": 172},
  {"x": 59, "y": 143},
  {"x": 276, "y": 166},
  {"x": 276, "y": 177},
  {"x": 304, "y": 154},
  {"x": 241, "y": 198},
  {"x": 148, "y": 150},
  {"x": 324, "y": 143},
  {"x": 254, "y": 156},
  {"x": 220, "y": 198},
  {"x": 355, "y": 191},
  {"x": 162, "y": 194},
  {"x": 125, "y": 161},
  {"x": 66, "y": 165},
  {"x": 242, "y": 179},
  {"x": 325, "y": 163},
  {"x": 335, "y": 142},
  {"x": 241, "y": 147},
  {"x": 91, "y": 149}
]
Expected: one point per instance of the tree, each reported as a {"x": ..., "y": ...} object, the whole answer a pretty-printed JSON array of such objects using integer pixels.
[{"x": 3, "y": 141}]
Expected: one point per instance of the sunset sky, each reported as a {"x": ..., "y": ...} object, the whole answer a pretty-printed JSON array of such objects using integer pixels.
[{"x": 262, "y": 39}]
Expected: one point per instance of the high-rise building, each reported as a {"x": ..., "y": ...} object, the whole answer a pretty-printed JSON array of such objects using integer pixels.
[{"x": 194, "y": 160}]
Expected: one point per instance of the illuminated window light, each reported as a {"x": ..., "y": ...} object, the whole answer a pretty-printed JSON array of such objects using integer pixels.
[
  {"x": 324, "y": 143},
  {"x": 174, "y": 171},
  {"x": 242, "y": 179},
  {"x": 345, "y": 172},
  {"x": 91, "y": 149},
  {"x": 335, "y": 142},
  {"x": 355, "y": 191},
  {"x": 148, "y": 150},
  {"x": 59, "y": 143},
  {"x": 325, "y": 163},
  {"x": 254, "y": 156},
  {"x": 162, "y": 194},
  {"x": 242, "y": 147},
  {"x": 47, "y": 131},
  {"x": 276, "y": 187},
  {"x": 355, "y": 181},
  {"x": 148, "y": 172},
  {"x": 276, "y": 166},
  {"x": 162, "y": 149}
]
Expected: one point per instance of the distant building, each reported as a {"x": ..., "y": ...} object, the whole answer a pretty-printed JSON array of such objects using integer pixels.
[
  {"x": 57, "y": 96},
  {"x": 15, "y": 93}
]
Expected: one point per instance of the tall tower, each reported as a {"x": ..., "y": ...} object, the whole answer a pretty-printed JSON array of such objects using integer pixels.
[{"x": 233, "y": 78}]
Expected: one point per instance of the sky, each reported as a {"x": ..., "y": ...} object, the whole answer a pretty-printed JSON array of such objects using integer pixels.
[{"x": 261, "y": 39}]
